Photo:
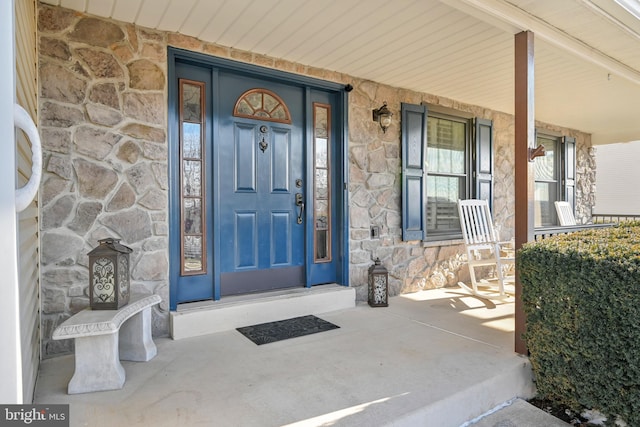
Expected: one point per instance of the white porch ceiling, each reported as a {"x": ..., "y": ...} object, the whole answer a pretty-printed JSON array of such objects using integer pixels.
[{"x": 587, "y": 52}]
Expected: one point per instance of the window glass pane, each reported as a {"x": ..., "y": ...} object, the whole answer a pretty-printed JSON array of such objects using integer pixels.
[
  {"x": 255, "y": 99},
  {"x": 321, "y": 152},
  {"x": 432, "y": 139},
  {"x": 322, "y": 214},
  {"x": 321, "y": 128},
  {"x": 322, "y": 190},
  {"x": 192, "y": 216},
  {"x": 447, "y": 175},
  {"x": 269, "y": 102},
  {"x": 322, "y": 230},
  {"x": 547, "y": 185},
  {"x": 279, "y": 113},
  {"x": 191, "y": 102},
  {"x": 442, "y": 203},
  {"x": 321, "y": 245},
  {"x": 192, "y": 254},
  {"x": 545, "y": 211},
  {"x": 321, "y": 184},
  {"x": 191, "y": 140},
  {"x": 546, "y": 166},
  {"x": 244, "y": 108},
  {"x": 191, "y": 178},
  {"x": 446, "y": 145}
]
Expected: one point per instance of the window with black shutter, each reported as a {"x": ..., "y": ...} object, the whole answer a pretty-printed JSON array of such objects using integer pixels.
[
  {"x": 555, "y": 177},
  {"x": 446, "y": 155}
]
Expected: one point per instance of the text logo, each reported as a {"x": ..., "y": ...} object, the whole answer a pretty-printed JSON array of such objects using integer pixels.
[{"x": 34, "y": 415}]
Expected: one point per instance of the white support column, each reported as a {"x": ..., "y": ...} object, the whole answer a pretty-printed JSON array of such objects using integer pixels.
[{"x": 10, "y": 351}]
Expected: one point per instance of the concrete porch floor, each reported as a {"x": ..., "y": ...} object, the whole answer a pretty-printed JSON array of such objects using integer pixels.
[{"x": 432, "y": 358}]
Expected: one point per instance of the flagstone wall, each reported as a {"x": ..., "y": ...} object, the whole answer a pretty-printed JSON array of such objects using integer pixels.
[{"x": 103, "y": 120}]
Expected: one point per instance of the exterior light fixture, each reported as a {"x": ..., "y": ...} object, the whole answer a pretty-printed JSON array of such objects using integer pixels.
[
  {"x": 378, "y": 285},
  {"x": 383, "y": 116},
  {"x": 109, "y": 275}
]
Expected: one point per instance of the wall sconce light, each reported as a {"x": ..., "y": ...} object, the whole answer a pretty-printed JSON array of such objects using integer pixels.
[
  {"x": 382, "y": 115},
  {"x": 536, "y": 152}
]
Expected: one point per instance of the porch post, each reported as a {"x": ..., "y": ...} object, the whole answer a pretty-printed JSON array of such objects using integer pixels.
[
  {"x": 10, "y": 353},
  {"x": 524, "y": 138}
]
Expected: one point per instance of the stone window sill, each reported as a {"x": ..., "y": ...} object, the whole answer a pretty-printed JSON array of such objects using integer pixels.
[{"x": 434, "y": 243}]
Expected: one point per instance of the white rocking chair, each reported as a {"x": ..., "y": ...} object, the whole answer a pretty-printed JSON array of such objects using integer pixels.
[
  {"x": 484, "y": 249},
  {"x": 565, "y": 213}
]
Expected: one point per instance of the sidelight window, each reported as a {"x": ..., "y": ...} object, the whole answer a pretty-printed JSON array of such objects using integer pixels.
[
  {"x": 322, "y": 184},
  {"x": 193, "y": 247}
]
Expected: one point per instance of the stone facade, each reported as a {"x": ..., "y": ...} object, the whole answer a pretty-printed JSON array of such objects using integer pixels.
[{"x": 103, "y": 118}]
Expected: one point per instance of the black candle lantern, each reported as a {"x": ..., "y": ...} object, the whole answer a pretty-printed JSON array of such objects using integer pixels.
[
  {"x": 109, "y": 275},
  {"x": 378, "y": 285}
]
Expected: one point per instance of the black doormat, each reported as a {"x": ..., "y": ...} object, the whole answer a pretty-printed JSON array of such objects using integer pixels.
[{"x": 266, "y": 333}]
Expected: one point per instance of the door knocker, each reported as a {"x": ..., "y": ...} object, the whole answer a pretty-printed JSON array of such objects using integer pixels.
[{"x": 263, "y": 144}]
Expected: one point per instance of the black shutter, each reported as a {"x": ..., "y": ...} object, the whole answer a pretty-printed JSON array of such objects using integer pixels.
[
  {"x": 483, "y": 161},
  {"x": 414, "y": 147},
  {"x": 569, "y": 171}
]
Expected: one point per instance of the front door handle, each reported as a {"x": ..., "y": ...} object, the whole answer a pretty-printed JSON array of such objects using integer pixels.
[{"x": 300, "y": 204}]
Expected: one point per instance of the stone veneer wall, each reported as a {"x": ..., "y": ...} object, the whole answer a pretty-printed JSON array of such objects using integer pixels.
[
  {"x": 103, "y": 115},
  {"x": 103, "y": 110}
]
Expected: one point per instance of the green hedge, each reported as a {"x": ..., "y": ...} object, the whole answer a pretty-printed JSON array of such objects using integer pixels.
[{"x": 581, "y": 295}]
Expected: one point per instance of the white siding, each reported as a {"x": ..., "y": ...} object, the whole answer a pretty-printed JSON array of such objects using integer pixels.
[
  {"x": 618, "y": 179},
  {"x": 28, "y": 258}
]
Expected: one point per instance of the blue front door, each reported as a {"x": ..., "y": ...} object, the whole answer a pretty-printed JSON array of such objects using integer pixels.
[
  {"x": 260, "y": 176},
  {"x": 255, "y": 183}
]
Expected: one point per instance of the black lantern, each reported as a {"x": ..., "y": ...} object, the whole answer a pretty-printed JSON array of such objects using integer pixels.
[
  {"x": 382, "y": 115},
  {"x": 109, "y": 275},
  {"x": 378, "y": 285}
]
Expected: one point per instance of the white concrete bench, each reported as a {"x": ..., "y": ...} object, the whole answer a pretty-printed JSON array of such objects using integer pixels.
[{"x": 103, "y": 337}]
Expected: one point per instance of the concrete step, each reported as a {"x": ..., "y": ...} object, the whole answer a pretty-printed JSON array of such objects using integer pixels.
[
  {"x": 516, "y": 413},
  {"x": 201, "y": 318},
  {"x": 514, "y": 381}
]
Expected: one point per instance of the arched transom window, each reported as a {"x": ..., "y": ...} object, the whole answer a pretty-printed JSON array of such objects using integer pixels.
[{"x": 262, "y": 104}]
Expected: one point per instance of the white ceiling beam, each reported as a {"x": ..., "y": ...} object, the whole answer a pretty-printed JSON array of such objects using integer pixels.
[
  {"x": 511, "y": 18},
  {"x": 609, "y": 17}
]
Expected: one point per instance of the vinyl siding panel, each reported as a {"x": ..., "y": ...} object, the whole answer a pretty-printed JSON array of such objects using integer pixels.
[
  {"x": 617, "y": 190},
  {"x": 28, "y": 256}
]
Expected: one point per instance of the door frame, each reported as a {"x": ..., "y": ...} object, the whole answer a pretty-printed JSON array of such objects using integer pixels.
[{"x": 308, "y": 83}]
